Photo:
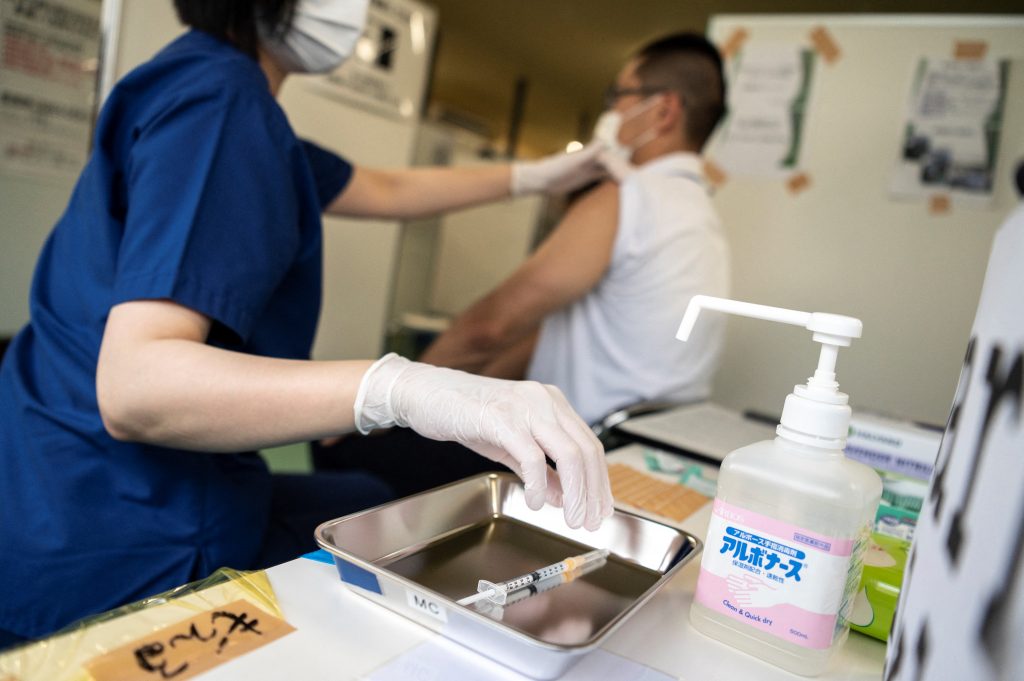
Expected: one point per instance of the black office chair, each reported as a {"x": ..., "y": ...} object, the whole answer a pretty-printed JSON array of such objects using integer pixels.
[{"x": 605, "y": 428}]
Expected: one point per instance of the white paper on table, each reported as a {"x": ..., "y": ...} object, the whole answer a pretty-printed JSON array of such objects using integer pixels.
[
  {"x": 442, "y": 660},
  {"x": 705, "y": 429}
]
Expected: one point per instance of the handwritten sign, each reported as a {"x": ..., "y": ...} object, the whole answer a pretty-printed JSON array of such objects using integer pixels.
[{"x": 183, "y": 650}]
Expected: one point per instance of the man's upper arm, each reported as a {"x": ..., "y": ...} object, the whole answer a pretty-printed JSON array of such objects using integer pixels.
[
  {"x": 567, "y": 265},
  {"x": 570, "y": 262}
]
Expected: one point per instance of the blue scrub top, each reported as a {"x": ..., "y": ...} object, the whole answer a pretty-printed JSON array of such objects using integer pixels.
[{"x": 197, "y": 191}]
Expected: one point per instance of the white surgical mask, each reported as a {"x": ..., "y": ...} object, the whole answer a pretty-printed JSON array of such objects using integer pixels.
[
  {"x": 323, "y": 34},
  {"x": 606, "y": 130}
]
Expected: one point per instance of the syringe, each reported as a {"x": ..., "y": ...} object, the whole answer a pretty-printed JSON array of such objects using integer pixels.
[
  {"x": 497, "y": 612},
  {"x": 498, "y": 592}
]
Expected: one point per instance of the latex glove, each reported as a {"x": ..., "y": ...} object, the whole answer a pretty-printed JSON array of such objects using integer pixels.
[
  {"x": 511, "y": 422},
  {"x": 559, "y": 173}
]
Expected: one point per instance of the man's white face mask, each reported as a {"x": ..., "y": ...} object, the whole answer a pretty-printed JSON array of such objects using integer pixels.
[
  {"x": 323, "y": 34},
  {"x": 606, "y": 130}
]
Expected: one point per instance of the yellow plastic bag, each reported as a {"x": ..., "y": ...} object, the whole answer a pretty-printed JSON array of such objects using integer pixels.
[{"x": 64, "y": 655}]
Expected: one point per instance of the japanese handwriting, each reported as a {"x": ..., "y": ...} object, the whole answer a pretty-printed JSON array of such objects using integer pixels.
[
  {"x": 152, "y": 656},
  {"x": 188, "y": 648}
]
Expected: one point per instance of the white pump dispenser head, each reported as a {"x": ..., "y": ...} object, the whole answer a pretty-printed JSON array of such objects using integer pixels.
[{"x": 815, "y": 414}]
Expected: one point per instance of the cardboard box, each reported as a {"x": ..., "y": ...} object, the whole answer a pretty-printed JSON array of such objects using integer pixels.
[{"x": 893, "y": 446}]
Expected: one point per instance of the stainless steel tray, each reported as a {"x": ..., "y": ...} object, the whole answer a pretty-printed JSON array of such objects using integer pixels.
[{"x": 418, "y": 555}]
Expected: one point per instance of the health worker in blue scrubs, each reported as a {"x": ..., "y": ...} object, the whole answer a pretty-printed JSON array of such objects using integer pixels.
[{"x": 172, "y": 313}]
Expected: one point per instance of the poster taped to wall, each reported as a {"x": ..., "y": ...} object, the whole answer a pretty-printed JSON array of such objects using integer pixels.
[
  {"x": 952, "y": 128},
  {"x": 768, "y": 92},
  {"x": 50, "y": 50},
  {"x": 386, "y": 74}
]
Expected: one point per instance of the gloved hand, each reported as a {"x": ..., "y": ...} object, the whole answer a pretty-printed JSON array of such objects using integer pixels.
[
  {"x": 511, "y": 422},
  {"x": 558, "y": 173}
]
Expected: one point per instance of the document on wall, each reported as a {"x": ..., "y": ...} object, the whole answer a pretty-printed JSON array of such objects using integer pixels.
[
  {"x": 48, "y": 61},
  {"x": 951, "y": 130},
  {"x": 768, "y": 92}
]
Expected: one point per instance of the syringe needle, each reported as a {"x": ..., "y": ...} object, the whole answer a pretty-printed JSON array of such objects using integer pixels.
[
  {"x": 470, "y": 600},
  {"x": 498, "y": 592}
]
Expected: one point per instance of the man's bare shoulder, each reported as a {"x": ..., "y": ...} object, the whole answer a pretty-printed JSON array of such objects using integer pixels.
[
  {"x": 603, "y": 194},
  {"x": 602, "y": 200}
]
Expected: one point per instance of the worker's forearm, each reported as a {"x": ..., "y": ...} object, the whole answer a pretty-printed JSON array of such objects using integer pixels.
[
  {"x": 183, "y": 394},
  {"x": 427, "y": 191},
  {"x": 417, "y": 192}
]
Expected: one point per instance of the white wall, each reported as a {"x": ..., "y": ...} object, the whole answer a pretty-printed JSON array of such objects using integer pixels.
[
  {"x": 448, "y": 262},
  {"x": 842, "y": 245},
  {"x": 435, "y": 145},
  {"x": 30, "y": 209},
  {"x": 359, "y": 255},
  {"x": 479, "y": 248},
  {"x": 145, "y": 27}
]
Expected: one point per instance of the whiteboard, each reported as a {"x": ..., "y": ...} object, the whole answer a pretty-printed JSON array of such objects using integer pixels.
[{"x": 842, "y": 244}]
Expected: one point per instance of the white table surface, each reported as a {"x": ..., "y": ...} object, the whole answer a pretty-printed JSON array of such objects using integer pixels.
[{"x": 341, "y": 635}]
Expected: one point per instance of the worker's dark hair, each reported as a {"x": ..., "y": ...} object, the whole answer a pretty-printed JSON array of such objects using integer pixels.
[
  {"x": 236, "y": 20},
  {"x": 690, "y": 65}
]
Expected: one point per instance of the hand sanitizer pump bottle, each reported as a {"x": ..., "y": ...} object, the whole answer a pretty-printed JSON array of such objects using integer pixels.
[{"x": 782, "y": 559}]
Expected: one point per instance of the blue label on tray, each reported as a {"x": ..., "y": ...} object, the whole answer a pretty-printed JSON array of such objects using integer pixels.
[{"x": 353, "y": 574}]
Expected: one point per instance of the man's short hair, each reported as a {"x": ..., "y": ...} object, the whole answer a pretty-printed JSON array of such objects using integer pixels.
[
  {"x": 236, "y": 20},
  {"x": 690, "y": 65}
]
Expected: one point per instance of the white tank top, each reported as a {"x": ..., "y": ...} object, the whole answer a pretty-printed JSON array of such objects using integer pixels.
[{"x": 616, "y": 345}]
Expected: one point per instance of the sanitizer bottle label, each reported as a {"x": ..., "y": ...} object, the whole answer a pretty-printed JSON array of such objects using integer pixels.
[{"x": 777, "y": 577}]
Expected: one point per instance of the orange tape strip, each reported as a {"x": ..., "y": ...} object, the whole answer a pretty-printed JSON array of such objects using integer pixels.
[
  {"x": 797, "y": 183},
  {"x": 939, "y": 204},
  {"x": 716, "y": 176},
  {"x": 970, "y": 49},
  {"x": 198, "y": 644},
  {"x": 642, "y": 491},
  {"x": 825, "y": 45},
  {"x": 733, "y": 43}
]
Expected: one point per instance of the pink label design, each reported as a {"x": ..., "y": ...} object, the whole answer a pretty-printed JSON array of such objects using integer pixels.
[{"x": 774, "y": 576}]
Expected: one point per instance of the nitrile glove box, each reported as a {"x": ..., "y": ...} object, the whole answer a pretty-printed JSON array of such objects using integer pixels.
[
  {"x": 893, "y": 446},
  {"x": 903, "y": 454},
  {"x": 874, "y": 606}
]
